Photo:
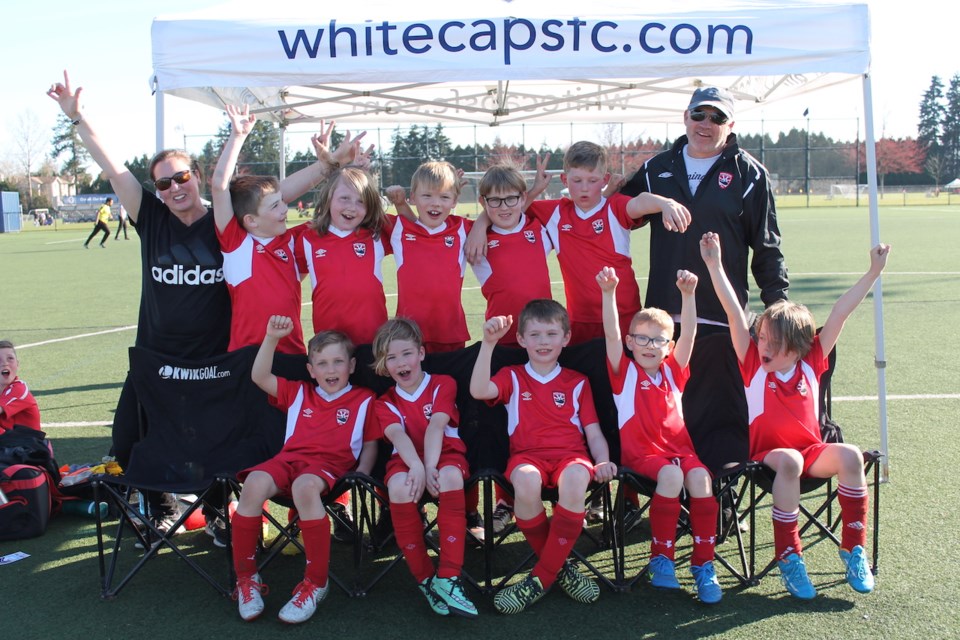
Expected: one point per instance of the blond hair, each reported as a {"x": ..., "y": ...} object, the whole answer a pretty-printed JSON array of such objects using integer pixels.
[
  {"x": 585, "y": 155},
  {"x": 325, "y": 339},
  {"x": 501, "y": 178},
  {"x": 437, "y": 175},
  {"x": 790, "y": 326},
  {"x": 654, "y": 316},
  {"x": 393, "y": 329},
  {"x": 366, "y": 185}
]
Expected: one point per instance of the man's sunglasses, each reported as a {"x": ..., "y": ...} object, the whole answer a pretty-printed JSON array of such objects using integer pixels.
[
  {"x": 716, "y": 118},
  {"x": 180, "y": 177}
]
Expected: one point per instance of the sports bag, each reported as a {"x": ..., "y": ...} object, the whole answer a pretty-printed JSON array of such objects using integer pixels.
[{"x": 25, "y": 504}]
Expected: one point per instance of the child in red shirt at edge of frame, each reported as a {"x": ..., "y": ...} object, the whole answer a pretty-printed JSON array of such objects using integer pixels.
[{"x": 781, "y": 377}]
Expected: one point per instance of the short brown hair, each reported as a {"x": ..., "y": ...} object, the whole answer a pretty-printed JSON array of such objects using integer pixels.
[
  {"x": 366, "y": 186},
  {"x": 438, "y": 174},
  {"x": 585, "y": 155},
  {"x": 501, "y": 178},
  {"x": 654, "y": 316},
  {"x": 544, "y": 310},
  {"x": 789, "y": 325},
  {"x": 324, "y": 339},
  {"x": 393, "y": 329},
  {"x": 246, "y": 193},
  {"x": 6, "y": 344}
]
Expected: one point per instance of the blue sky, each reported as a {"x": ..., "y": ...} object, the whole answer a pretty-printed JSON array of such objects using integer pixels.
[{"x": 106, "y": 47}]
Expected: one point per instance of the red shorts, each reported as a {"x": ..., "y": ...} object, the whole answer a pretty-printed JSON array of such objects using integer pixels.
[
  {"x": 810, "y": 455},
  {"x": 649, "y": 466},
  {"x": 447, "y": 459},
  {"x": 549, "y": 468},
  {"x": 284, "y": 469}
]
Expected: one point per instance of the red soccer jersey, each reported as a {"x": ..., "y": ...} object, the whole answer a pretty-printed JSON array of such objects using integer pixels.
[
  {"x": 333, "y": 427},
  {"x": 19, "y": 407},
  {"x": 263, "y": 280},
  {"x": 586, "y": 242},
  {"x": 783, "y": 414},
  {"x": 650, "y": 414},
  {"x": 346, "y": 280},
  {"x": 436, "y": 394},
  {"x": 514, "y": 271},
  {"x": 430, "y": 268},
  {"x": 546, "y": 415}
]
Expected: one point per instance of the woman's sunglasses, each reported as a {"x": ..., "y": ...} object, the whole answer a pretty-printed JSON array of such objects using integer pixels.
[
  {"x": 180, "y": 177},
  {"x": 716, "y": 118}
]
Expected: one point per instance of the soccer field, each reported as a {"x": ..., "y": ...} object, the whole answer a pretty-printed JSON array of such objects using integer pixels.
[{"x": 72, "y": 314}]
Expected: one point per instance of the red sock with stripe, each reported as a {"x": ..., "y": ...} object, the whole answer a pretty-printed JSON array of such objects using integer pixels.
[
  {"x": 853, "y": 513},
  {"x": 786, "y": 533}
]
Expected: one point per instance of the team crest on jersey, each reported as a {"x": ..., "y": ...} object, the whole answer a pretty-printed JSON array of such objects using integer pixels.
[
  {"x": 448, "y": 241},
  {"x": 410, "y": 237},
  {"x": 308, "y": 413},
  {"x": 526, "y": 395},
  {"x": 359, "y": 249},
  {"x": 724, "y": 178},
  {"x": 493, "y": 244},
  {"x": 321, "y": 253},
  {"x": 342, "y": 416},
  {"x": 428, "y": 410},
  {"x": 280, "y": 253},
  {"x": 566, "y": 227},
  {"x": 802, "y": 386},
  {"x": 530, "y": 236},
  {"x": 597, "y": 226},
  {"x": 559, "y": 399}
]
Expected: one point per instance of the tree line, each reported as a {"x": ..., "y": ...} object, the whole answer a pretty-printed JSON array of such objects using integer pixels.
[{"x": 794, "y": 157}]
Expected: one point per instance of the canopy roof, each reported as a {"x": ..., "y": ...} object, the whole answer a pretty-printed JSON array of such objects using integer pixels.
[{"x": 502, "y": 61}]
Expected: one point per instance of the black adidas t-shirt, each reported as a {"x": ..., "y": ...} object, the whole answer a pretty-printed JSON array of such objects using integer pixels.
[{"x": 184, "y": 302}]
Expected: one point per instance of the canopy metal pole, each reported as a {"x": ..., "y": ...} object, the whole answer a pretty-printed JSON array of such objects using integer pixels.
[
  {"x": 880, "y": 359},
  {"x": 283, "y": 152},
  {"x": 158, "y": 99}
]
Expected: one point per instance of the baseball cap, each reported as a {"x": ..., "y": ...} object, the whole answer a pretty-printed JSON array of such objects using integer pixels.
[{"x": 719, "y": 99}]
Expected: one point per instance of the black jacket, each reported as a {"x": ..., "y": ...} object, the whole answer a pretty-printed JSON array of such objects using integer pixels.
[{"x": 734, "y": 200}]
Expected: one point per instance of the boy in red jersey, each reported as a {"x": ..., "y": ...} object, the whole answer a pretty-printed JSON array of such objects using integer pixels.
[
  {"x": 647, "y": 390},
  {"x": 330, "y": 431},
  {"x": 514, "y": 270},
  {"x": 258, "y": 250},
  {"x": 430, "y": 257},
  {"x": 781, "y": 377},
  {"x": 419, "y": 417},
  {"x": 17, "y": 404},
  {"x": 552, "y": 422},
  {"x": 589, "y": 232}
]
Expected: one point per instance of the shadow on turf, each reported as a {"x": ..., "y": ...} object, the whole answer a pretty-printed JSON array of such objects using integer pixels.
[{"x": 79, "y": 388}]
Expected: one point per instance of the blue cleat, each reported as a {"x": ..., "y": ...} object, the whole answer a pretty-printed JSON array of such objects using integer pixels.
[
  {"x": 663, "y": 575},
  {"x": 859, "y": 575},
  {"x": 793, "y": 574},
  {"x": 708, "y": 587}
]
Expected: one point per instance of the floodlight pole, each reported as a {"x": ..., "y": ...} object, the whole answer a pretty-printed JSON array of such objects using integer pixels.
[{"x": 806, "y": 175}]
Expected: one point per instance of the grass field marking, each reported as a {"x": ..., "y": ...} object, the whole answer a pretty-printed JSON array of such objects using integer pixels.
[
  {"x": 76, "y": 337},
  {"x": 885, "y": 273},
  {"x": 64, "y": 425},
  {"x": 915, "y": 396}
]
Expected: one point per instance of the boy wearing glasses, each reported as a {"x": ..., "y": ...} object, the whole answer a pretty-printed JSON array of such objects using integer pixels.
[
  {"x": 514, "y": 270},
  {"x": 727, "y": 191},
  {"x": 589, "y": 231},
  {"x": 647, "y": 390}
]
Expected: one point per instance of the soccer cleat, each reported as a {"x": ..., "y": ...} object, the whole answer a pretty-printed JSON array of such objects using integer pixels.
[
  {"x": 576, "y": 585},
  {"x": 663, "y": 574},
  {"x": 708, "y": 587},
  {"x": 450, "y": 590},
  {"x": 436, "y": 602},
  {"x": 793, "y": 574},
  {"x": 859, "y": 575},
  {"x": 247, "y": 594},
  {"x": 475, "y": 527},
  {"x": 216, "y": 528},
  {"x": 303, "y": 604},
  {"x": 502, "y": 517},
  {"x": 520, "y": 596}
]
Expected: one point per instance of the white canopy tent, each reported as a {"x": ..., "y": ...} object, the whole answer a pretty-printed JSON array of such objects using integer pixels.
[{"x": 504, "y": 61}]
